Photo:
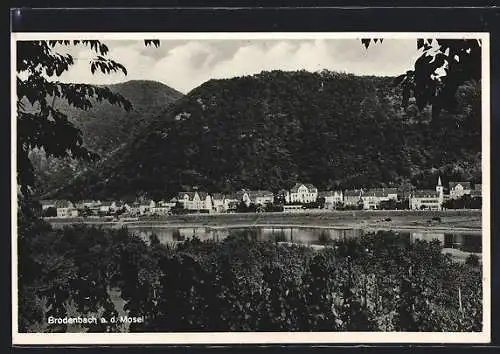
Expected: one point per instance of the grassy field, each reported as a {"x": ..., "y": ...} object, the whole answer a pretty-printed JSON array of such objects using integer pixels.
[{"x": 449, "y": 220}]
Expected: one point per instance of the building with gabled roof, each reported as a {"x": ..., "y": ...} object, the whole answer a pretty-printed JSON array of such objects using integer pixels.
[
  {"x": 352, "y": 197},
  {"x": 373, "y": 197},
  {"x": 302, "y": 193},
  {"x": 63, "y": 204},
  {"x": 427, "y": 199},
  {"x": 107, "y": 206},
  {"x": 459, "y": 189},
  {"x": 195, "y": 200},
  {"x": 332, "y": 198},
  {"x": 146, "y": 206},
  {"x": 161, "y": 207},
  {"x": 218, "y": 202},
  {"x": 65, "y": 209},
  {"x": 231, "y": 201},
  {"x": 257, "y": 197}
]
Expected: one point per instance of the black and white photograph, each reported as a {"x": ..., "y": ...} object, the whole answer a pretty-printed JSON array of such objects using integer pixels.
[{"x": 250, "y": 187}]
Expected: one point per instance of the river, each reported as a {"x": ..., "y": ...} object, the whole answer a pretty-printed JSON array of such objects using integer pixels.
[{"x": 455, "y": 243}]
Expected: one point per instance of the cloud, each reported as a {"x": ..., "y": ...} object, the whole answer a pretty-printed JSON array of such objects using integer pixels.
[{"x": 185, "y": 65}]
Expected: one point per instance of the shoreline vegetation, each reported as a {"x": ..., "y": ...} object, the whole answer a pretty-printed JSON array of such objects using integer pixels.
[
  {"x": 377, "y": 282},
  {"x": 466, "y": 221}
]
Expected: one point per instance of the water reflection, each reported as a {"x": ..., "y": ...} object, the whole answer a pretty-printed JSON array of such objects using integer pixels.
[{"x": 470, "y": 243}]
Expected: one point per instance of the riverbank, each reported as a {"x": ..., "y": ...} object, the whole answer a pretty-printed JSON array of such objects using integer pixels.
[{"x": 467, "y": 221}]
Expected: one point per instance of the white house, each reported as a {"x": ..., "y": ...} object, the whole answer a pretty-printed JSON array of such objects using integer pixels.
[
  {"x": 428, "y": 199},
  {"x": 373, "y": 197},
  {"x": 352, "y": 197},
  {"x": 219, "y": 202},
  {"x": 302, "y": 193},
  {"x": 162, "y": 207},
  {"x": 258, "y": 197},
  {"x": 65, "y": 209},
  {"x": 107, "y": 207},
  {"x": 160, "y": 210},
  {"x": 459, "y": 189},
  {"x": 195, "y": 200},
  {"x": 231, "y": 201},
  {"x": 146, "y": 206},
  {"x": 332, "y": 198},
  {"x": 262, "y": 197}
]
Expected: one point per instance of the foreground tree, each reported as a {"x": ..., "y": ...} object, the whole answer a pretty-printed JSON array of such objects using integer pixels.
[
  {"x": 443, "y": 66},
  {"x": 48, "y": 279},
  {"x": 39, "y": 124}
]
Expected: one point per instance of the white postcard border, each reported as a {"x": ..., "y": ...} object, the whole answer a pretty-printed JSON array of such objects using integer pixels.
[{"x": 263, "y": 337}]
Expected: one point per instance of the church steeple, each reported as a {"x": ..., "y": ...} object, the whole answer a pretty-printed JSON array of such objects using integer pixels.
[{"x": 440, "y": 190}]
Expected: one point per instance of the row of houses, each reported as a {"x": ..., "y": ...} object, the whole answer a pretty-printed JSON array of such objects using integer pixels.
[
  {"x": 190, "y": 201},
  {"x": 368, "y": 199},
  {"x": 299, "y": 194},
  {"x": 434, "y": 199},
  {"x": 65, "y": 208},
  {"x": 428, "y": 199}
]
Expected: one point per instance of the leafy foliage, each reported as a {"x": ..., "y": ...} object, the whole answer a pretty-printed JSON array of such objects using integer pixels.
[
  {"x": 39, "y": 124},
  {"x": 459, "y": 61},
  {"x": 464, "y": 202},
  {"x": 378, "y": 282}
]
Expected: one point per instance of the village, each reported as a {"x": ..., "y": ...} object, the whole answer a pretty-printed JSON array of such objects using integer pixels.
[{"x": 300, "y": 197}]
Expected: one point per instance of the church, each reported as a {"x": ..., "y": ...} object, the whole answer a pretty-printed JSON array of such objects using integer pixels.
[{"x": 428, "y": 199}]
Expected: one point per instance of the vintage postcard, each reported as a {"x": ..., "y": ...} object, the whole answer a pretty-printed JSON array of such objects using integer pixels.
[{"x": 222, "y": 188}]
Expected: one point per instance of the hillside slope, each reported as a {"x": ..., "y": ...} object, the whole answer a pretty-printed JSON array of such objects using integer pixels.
[
  {"x": 104, "y": 127},
  {"x": 270, "y": 130}
]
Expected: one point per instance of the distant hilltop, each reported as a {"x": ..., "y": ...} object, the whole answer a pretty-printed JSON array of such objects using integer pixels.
[{"x": 105, "y": 128}]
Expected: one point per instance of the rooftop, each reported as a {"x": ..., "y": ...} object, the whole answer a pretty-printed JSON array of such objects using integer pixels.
[
  {"x": 466, "y": 185},
  {"x": 309, "y": 186},
  {"x": 191, "y": 195},
  {"x": 48, "y": 202},
  {"x": 329, "y": 193},
  {"x": 353, "y": 192},
  {"x": 380, "y": 192},
  {"x": 63, "y": 204},
  {"x": 425, "y": 193}
]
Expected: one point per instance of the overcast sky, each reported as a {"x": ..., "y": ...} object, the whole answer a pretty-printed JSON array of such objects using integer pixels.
[{"x": 185, "y": 64}]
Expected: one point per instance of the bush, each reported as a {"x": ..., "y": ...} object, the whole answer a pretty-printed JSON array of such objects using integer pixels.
[
  {"x": 273, "y": 208},
  {"x": 376, "y": 282},
  {"x": 50, "y": 212},
  {"x": 176, "y": 235},
  {"x": 243, "y": 208},
  {"x": 472, "y": 260}
]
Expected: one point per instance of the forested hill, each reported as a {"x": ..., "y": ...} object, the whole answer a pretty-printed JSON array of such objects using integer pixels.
[
  {"x": 105, "y": 127},
  {"x": 270, "y": 130}
]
